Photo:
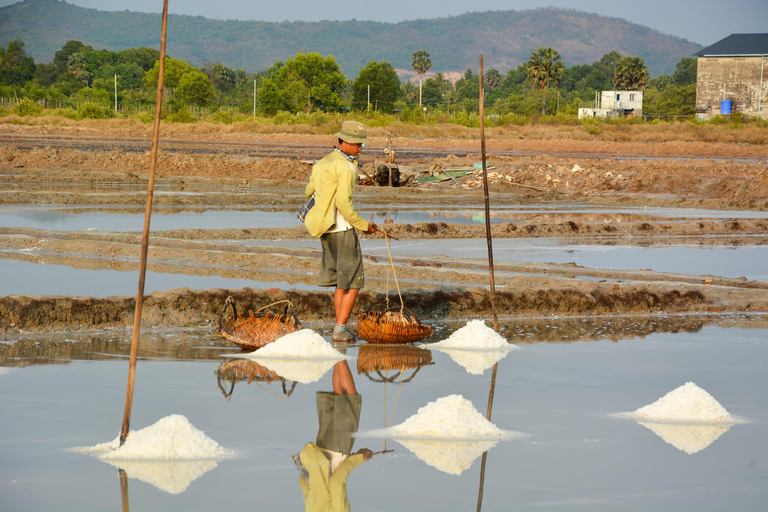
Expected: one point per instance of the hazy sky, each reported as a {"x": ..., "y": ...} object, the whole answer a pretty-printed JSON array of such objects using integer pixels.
[{"x": 700, "y": 21}]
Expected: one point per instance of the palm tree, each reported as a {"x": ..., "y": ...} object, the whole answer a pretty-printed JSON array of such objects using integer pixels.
[
  {"x": 545, "y": 69},
  {"x": 631, "y": 73},
  {"x": 421, "y": 64},
  {"x": 492, "y": 78}
]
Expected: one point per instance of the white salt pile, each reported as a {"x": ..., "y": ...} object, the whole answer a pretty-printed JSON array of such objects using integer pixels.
[
  {"x": 686, "y": 404},
  {"x": 303, "y": 344},
  {"x": 450, "y": 417},
  {"x": 171, "y": 438},
  {"x": 474, "y": 336},
  {"x": 452, "y": 457},
  {"x": 475, "y": 346},
  {"x": 687, "y": 438},
  {"x": 303, "y": 371},
  {"x": 173, "y": 477}
]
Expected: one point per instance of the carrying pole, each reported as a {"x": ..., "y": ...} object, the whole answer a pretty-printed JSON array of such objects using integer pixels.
[
  {"x": 492, "y": 390},
  {"x": 145, "y": 239}
]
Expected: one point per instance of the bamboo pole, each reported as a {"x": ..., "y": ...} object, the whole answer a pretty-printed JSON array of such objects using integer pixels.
[
  {"x": 145, "y": 239},
  {"x": 492, "y": 390}
]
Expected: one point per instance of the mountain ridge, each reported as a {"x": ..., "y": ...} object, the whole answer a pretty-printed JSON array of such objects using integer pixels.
[{"x": 505, "y": 38}]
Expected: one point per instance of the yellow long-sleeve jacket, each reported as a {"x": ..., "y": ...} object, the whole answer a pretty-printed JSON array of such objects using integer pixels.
[
  {"x": 322, "y": 491},
  {"x": 332, "y": 182}
]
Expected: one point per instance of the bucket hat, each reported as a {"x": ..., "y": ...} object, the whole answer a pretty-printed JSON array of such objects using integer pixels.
[{"x": 352, "y": 132}]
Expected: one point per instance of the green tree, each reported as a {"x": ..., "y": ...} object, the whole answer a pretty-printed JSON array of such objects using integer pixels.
[
  {"x": 309, "y": 81},
  {"x": 195, "y": 88},
  {"x": 174, "y": 71},
  {"x": 16, "y": 67},
  {"x": 545, "y": 69},
  {"x": 631, "y": 73},
  {"x": 492, "y": 78},
  {"x": 270, "y": 99},
  {"x": 685, "y": 71},
  {"x": 660, "y": 83},
  {"x": 432, "y": 95},
  {"x": 421, "y": 63},
  {"x": 384, "y": 86},
  {"x": 607, "y": 65}
]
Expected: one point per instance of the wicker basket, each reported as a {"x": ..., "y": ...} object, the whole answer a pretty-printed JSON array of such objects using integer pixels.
[
  {"x": 391, "y": 325},
  {"x": 256, "y": 330},
  {"x": 383, "y": 358},
  {"x": 240, "y": 370}
]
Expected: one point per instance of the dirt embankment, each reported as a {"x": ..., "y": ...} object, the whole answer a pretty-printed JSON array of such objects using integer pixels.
[{"x": 185, "y": 308}]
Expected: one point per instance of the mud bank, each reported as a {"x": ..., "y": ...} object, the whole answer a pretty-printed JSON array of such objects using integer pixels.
[{"x": 186, "y": 308}]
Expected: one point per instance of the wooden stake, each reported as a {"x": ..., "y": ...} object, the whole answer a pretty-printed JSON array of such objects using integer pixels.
[
  {"x": 145, "y": 239},
  {"x": 492, "y": 391}
]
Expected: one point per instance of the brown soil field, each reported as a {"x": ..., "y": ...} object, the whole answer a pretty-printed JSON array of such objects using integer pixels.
[{"x": 103, "y": 165}]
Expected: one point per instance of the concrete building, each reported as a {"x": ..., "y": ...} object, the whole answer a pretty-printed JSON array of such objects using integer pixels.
[
  {"x": 615, "y": 104},
  {"x": 732, "y": 76}
]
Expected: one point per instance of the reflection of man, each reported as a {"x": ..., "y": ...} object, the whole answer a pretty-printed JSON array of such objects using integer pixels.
[
  {"x": 326, "y": 464},
  {"x": 333, "y": 219}
]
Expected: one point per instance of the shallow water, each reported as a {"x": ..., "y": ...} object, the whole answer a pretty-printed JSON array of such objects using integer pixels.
[
  {"x": 74, "y": 219},
  {"x": 574, "y": 456}
]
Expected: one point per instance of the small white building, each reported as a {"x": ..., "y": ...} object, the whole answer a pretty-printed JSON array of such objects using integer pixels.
[{"x": 615, "y": 104}]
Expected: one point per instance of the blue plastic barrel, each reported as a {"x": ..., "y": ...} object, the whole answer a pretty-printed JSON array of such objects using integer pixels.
[{"x": 725, "y": 107}]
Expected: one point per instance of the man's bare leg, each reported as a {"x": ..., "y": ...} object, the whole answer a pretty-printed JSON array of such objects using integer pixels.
[{"x": 343, "y": 302}]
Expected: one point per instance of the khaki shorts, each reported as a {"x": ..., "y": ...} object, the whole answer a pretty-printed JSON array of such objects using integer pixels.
[
  {"x": 338, "y": 417},
  {"x": 342, "y": 264}
]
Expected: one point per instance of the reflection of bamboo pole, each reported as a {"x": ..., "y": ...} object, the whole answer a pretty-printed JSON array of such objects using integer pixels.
[
  {"x": 124, "y": 489},
  {"x": 490, "y": 272},
  {"x": 145, "y": 239}
]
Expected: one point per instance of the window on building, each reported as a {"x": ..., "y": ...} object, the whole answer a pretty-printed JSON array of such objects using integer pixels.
[
  {"x": 631, "y": 97},
  {"x": 618, "y": 97}
]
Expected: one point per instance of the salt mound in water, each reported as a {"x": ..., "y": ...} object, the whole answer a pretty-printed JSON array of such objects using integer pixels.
[
  {"x": 686, "y": 404},
  {"x": 474, "y": 336},
  {"x": 171, "y": 438},
  {"x": 450, "y": 417},
  {"x": 303, "y": 344}
]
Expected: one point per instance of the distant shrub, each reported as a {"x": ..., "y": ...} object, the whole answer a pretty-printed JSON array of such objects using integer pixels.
[
  {"x": 181, "y": 116},
  {"x": 27, "y": 107},
  {"x": 90, "y": 110},
  {"x": 67, "y": 112},
  {"x": 144, "y": 117},
  {"x": 226, "y": 117}
]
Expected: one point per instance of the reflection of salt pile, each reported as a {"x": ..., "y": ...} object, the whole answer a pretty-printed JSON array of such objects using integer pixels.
[
  {"x": 475, "y": 346},
  {"x": 170, "y": 454},
  {"x": 686, "y": 404},
  {"x": 453, "y": 457},
  {"x": 302, "y": 371},
  {"x": 447, "y": 434},
  {"x": 172, "y": 477},
  {"x": 686, "y": 437},
  {"x": 688, "y": 418},
  {"x": 303, "y": 344}
]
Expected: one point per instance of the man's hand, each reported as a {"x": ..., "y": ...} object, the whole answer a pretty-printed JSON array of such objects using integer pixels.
[
  {"x": 371, "y": 228},
  {"x": 367, "y": 454}
]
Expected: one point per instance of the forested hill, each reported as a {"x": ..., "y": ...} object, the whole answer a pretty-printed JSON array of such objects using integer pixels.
[{"x": 505, "y": 38}]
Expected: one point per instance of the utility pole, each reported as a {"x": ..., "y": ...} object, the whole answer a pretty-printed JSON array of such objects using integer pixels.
[
  {"x": 115, "y": 92},
  {"x": 369, "y": 97},
  {"x": 254, "y": 97}
]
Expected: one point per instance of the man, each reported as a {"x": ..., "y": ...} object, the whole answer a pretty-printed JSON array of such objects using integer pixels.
[{"x": 334, "y": 219}]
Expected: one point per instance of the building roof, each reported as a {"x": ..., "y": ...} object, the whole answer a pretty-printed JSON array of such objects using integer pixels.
[{"x": 737, "y": 44}]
